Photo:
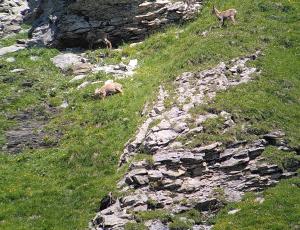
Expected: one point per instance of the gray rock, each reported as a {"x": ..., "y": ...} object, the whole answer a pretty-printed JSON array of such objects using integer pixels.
[
  {"x": 274, "y": 138},
  {"x": 12, "y": 13},
  {"x": 135, "y": 200},
  {"x": 171, "y": 185},
  {"x": 83, "y": 85},
  {"x": 156, "y": 225},
  {"x": 60, "y": 23},
  {"x": 202, "y": 227},
  {"x": 265, "y": 169},
  {"x": 10, "y": 49},
  {"x": 155, "y": 175},
  {"x": 191, "y": 158},
  {"x": 227, "y": 154},
  {"x": 140, "y": 180},
  {"x": 180, "y": 127},
  {"x": 166, "y": 157},
  {"x": 208, "y": 204},
  {"x": 234, "y": 211},
  {"x": 255, "y": 152},
  {"x": 78, "y": 77},
  {"x": 66, "y": 61},
  {"x": 172, "y": 173},
  {"x": 114, "y": 208},
  {"x": 119, "y": 71},
  {"x": 112, "y": 221},
  {"x": 159, "y": 138},
  {"x": 17, "y": 70},
  {"x": 235, "y": 164}
]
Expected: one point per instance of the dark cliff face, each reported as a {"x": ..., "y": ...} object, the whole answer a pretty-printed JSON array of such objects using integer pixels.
[{"x": 65, "y": 23}]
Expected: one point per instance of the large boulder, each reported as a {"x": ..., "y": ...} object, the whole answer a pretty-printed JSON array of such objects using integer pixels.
[{"x": 66, "y": 23}]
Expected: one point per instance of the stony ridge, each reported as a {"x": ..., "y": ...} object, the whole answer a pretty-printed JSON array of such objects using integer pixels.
[{"x": 178, "y": 178}]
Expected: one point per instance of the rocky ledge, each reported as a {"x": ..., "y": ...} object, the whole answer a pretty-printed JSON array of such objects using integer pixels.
[
  {"x": 178, "y": 178},
  {"x": 63, "y": 23}
]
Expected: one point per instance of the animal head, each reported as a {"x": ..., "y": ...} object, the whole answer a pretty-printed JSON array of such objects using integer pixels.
[
  {"x": 99, "y": 92},
  {"x": 213, "y": 11}
]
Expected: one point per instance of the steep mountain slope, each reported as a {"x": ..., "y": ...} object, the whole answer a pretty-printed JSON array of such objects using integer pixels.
[{"x": 59, "y": 186}]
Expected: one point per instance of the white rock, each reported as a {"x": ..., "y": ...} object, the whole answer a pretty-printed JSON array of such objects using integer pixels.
[
  {"x": 64, "y": 105},
  {"x": 10, "y": 49},
  {"x": 83, "y": 85},
  {"x": 34, "y": 58},
  {"x": 135, "y": 44},
  {"x": 78, "y": 77},
  {"x": 232, "y": 212},
  {"x": 260, "y": 200},
  {"x": 133, "y": 63},
  {"x": 17, "y": 70}
]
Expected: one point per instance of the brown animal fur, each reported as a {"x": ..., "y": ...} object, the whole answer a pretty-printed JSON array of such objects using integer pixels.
[
  {"x": 95, "y": 37},
  {"x": 229, "y": 14},
  {"x": 109, "y": 89}
]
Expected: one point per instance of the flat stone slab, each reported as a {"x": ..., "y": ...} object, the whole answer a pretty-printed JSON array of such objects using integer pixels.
[
  {"x": 65, "y": 61},
  {"x": 10, "y": 49}
]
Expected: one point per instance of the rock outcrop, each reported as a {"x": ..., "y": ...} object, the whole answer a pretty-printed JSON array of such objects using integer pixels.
[
  {"x": 12, "y": 13},
  {"x": 177, "y": 177},
  {"x": 65, "y": 23}
]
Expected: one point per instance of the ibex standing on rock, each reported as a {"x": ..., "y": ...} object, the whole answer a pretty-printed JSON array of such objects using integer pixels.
[{"x": 225, "y": 15}]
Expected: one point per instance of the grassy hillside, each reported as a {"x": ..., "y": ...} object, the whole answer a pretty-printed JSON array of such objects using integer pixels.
[
  {"x": 59, "y": 187},
  {"x": 280, "y": 210}
]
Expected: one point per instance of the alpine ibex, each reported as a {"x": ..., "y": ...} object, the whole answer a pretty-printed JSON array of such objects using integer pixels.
[
  {"x": 229, "y": 14},
  {"x": 109, "y": 88},
  {"x": 95, "y": 37}
]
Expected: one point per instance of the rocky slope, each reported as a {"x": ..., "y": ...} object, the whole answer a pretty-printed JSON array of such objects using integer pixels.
[
  {"x": 12, "y": 13},
  {"x": 177, "y": 177},
  {"x": 63, "y": 23}
]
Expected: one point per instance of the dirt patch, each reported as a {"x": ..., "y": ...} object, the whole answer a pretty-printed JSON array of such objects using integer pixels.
[{"x": 30, "y": 131}]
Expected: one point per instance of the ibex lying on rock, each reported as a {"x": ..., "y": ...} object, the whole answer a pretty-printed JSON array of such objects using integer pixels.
[
  {"x": 109, "y": 88},
  {"x": 225, "y": 15},
  {"x": 96, "y": 37}
]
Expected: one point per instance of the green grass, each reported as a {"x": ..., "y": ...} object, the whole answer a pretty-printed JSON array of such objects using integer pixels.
[
  {"x": 279, "y": 157},
  {"x": 10, "y": 40},
  {"x": 60, "y": 187},
  {"x": 280, "y": 210},
  {"x": 181, "y": 221}
]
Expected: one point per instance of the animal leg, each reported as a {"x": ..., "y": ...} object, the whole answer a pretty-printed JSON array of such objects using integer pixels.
[
  {"x": 108, "y": 43},
  {"x": 103, "y": 95},
  {"x": 91, "y": 45},
  {"x": 233, "y": 19},
  {"x": 222, "y": 22}
]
